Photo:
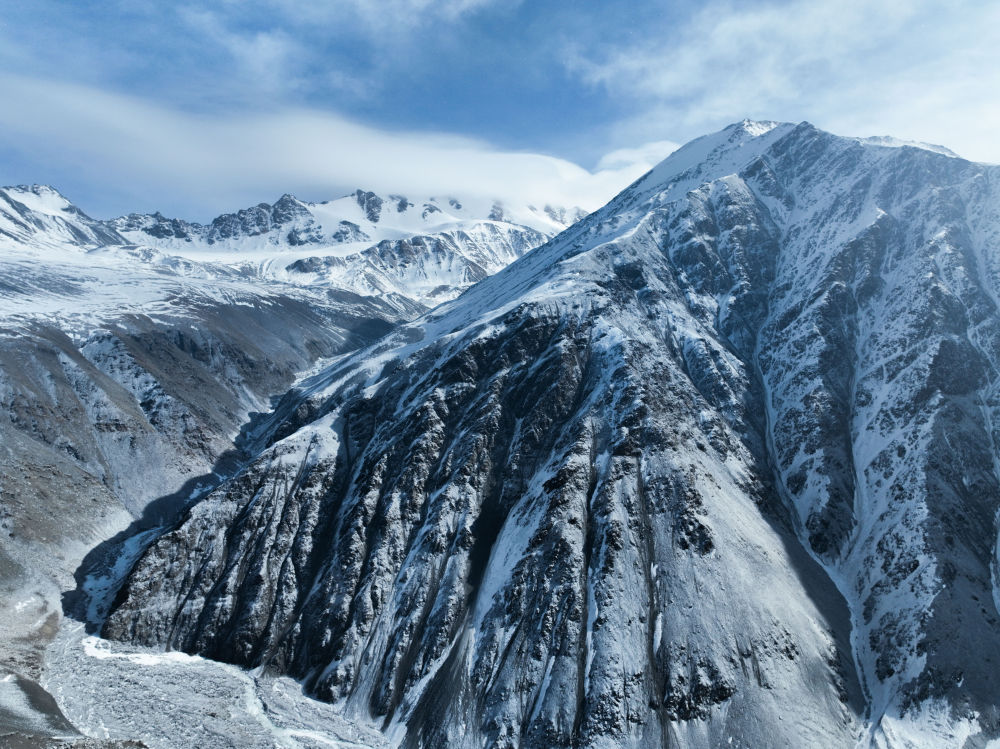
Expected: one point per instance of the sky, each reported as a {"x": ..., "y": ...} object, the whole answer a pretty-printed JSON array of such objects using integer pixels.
[{"x": 194, "y": 109}]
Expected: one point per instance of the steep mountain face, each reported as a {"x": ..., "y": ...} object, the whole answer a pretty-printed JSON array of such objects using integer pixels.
[
  {"x": 714, "y": 467},
  {"x": 127, "y": 373}
]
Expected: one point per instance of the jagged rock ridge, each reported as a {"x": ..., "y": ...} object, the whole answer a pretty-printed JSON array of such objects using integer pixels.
[{"x": 426, "y": 250}]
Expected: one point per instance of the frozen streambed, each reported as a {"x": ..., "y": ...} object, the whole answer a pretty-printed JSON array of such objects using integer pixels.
[{"x": 169, "y": 700}]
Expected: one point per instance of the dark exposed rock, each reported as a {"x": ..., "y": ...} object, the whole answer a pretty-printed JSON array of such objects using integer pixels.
[{"x": 371, "y": 204}]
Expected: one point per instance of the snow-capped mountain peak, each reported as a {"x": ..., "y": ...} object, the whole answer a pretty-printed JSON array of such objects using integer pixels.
[
  {"x": 408, "y": 253},
  {"x": 424, "y": 249},
  {"x": 361, "y": 216},
  {"x": 41, "y": 216}
]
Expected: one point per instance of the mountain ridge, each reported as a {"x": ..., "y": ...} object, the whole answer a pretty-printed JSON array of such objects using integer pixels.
[
  {"x": 348, "y": 217},
  {"x": 756, "y": 329}
]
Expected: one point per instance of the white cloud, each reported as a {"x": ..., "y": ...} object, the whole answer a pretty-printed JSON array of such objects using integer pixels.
[
  {"x": 648, "y": 155},
  {"x": 383, "y": 16},
  {"x": 913, "y": 69},
  {"x": 222, "y": 162},
  {"x": 267, "y": 58}
]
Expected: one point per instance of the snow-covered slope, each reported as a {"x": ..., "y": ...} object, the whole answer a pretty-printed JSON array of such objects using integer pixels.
[
  {"x": 409, "y": 255},
  {"x": 40, "y": 216},
  {"x": 427, "y": 250},
  {"x": 362, "y": 218},
  {"x": 122, "y": 394},
  {"x": 427, "y": 269},
  {"x": 715, "y": 467}
]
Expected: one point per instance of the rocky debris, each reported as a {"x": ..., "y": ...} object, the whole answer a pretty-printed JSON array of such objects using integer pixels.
[{"x": 29, "y": 741}]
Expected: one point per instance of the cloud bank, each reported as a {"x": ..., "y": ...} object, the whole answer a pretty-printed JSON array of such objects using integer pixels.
[
  {"x": 201, "y": 107},
  {"x": 216, "y": 162},
  {"x": 914, "y": 69}
]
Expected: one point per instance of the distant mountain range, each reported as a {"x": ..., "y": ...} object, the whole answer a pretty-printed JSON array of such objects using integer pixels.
[{"x": 411, "y": 253}]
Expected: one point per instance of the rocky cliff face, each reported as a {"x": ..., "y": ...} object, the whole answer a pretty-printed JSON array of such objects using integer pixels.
[{"x": 714, "y": 467}]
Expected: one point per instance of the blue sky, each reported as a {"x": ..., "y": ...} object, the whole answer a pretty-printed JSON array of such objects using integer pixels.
[{"x": 196, "y": 108}]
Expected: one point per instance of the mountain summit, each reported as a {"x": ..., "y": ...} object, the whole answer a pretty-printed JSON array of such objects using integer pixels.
[{"x": 713, "y": 467}]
